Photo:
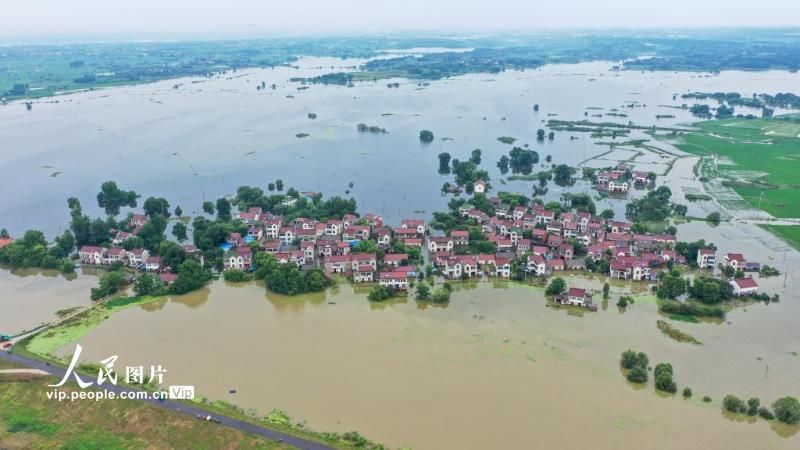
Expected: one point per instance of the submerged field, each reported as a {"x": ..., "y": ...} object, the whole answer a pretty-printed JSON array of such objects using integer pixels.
[{"x": 760, "y": 157}]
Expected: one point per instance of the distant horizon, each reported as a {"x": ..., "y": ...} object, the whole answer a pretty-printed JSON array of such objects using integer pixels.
[
  {"x": 41, "y": 20},
  {"x": 123, "y": 37}
]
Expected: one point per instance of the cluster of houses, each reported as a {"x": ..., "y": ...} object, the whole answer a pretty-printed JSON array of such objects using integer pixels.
[
  {"x": 617, "y": 181},
  {"x": 535, "y": 240},
  {"x": 137, "y": 258},
  {"x": 330, "y": 245}
]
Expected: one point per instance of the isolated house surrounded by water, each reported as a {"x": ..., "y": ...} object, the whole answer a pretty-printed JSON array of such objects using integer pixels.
[{"x": 744, "y": 286}]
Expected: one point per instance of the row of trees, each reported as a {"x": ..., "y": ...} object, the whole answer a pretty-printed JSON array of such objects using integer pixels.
[{"x": 785, "y": 409}]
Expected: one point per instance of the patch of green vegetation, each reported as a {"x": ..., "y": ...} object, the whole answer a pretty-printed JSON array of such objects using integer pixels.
[
  {"x": 44, "y": 344},
  {"x": 789, "y": 233},
  {"x": 28, "y": 419},
  {"x": 759, "y": 156},
  {"x": 507, "y": 139},
  {"x": 675, "y": 333},
  {"x": 783, "y": 202}
]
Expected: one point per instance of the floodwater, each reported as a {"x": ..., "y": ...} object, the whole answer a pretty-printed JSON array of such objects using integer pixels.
[
  {"x": 497, "y": 367},
  {"x": 31, "y": 297},
  {"x": 209, "y": 136}
]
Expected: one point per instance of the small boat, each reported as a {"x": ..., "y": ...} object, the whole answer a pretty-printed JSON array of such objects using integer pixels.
[{"x": 232, "y": 391}]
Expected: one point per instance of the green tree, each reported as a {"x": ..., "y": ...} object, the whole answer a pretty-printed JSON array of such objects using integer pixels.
[
  {"x": 426, "y": 136},
  {"x": 179, "y": 231},
  {"x": 637, "y": 375},
  {"x": 475, "y": 157},
  {"x": 663, "y": 377},
  {"x": 223, "y": 209},
  {"x": 631, "y": 359},
  {"x": 65, "y": 244},
  {"x": 191, "y": 276},
  {"x": 556, "y": 286},
  {"x": 752, "y": 406},
  {"x": 172, "y": 255},
  {"x": 441, "y": 295},
  {"x": 714, "y": 218},
  {"x": 606, "y": 289},
  {"x": 154, "y": 206},
  {"x": 444, "y": 163},
  {"x": 111, "y": 198},
  {"x": 379, "y": 294},
  {"x": 236, "y": 275},
  {"x": 787, "y": 410},
  {"x": 152, "y": 233},
  {"x": 208, "y": 208},
  {"x": 733, "y": 404},
  {"x": 147, "y": 284},
  {"x": 110, "y": 283},
  {"x": 423, "y": 292},
  {"x": 178, "y": 211},
  {"x": 279, "y": 185}
]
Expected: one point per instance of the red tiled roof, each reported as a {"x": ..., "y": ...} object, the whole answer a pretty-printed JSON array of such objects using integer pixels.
[
  {"x": 745, "y": 283},
  {"x": 576, "y": 292}
]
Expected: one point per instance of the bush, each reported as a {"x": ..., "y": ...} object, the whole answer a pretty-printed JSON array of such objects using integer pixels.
[
  {"x": 687, "y": 392},
  {"x": 440, "y": 295},
  {"x": 733, "y": 404},
  {"x": 637, "y": 375},
  {"x": 624, "y": 301},
  {"x": 425, "y": 136},
  {"x": 631, "y": 359},
  {"x": 663, "y": 376},
  {"x": 707, "y": 399},
  {"x": 379, "y": 294},
  {"x": 765, "y": 413},
  {"x": 752, "y": 406},
  {"x": 236, "y": 275},
  {"x": 787, "y": 410}
]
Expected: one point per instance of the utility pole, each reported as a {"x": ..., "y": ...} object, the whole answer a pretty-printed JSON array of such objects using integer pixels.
[{"x": 758, "y": 212}]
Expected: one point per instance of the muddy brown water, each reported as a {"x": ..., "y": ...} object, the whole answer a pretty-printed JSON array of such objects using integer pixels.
[{"x": 495, "y": 368}]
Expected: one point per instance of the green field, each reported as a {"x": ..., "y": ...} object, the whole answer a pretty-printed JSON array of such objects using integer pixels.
[
  {"x": 789, "y": 233},
  {"x": 756, "y": 155},
  {"x": 28, "y": 419}
]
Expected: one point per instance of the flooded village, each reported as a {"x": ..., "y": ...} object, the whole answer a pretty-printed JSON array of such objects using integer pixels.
[{"x": 424, "y": 307}]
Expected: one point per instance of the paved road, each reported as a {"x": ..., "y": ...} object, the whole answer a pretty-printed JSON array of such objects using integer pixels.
[{"x": 179, "y": 407}]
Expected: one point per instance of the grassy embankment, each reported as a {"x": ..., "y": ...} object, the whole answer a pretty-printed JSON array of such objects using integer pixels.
[
  {"x": 28, "y": 419},
  {"x": 755, "y": 156}
]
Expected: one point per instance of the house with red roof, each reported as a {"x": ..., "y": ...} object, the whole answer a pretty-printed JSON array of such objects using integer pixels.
[
  {"x": 89, "y": 254},
  {"x": 735, "y": 260},
  {"x": 394, "y": 280},
  {"x": 706, "y": 258},
  {"x": 744, "y": 286},
  {"x": 575, "y": 296}
]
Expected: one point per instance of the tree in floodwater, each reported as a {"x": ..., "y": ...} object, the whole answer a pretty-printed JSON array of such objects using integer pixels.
[
  {"x": 426, "y": 136},
  {"x": 111, "y": 198},
  {"x": 444, "y": 163}
]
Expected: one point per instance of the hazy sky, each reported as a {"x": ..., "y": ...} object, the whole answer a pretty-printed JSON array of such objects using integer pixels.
[{"x": 27, "y": 18}]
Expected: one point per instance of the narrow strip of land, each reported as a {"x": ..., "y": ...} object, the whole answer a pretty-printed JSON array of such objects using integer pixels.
[{"x": 179, "y": 407}]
